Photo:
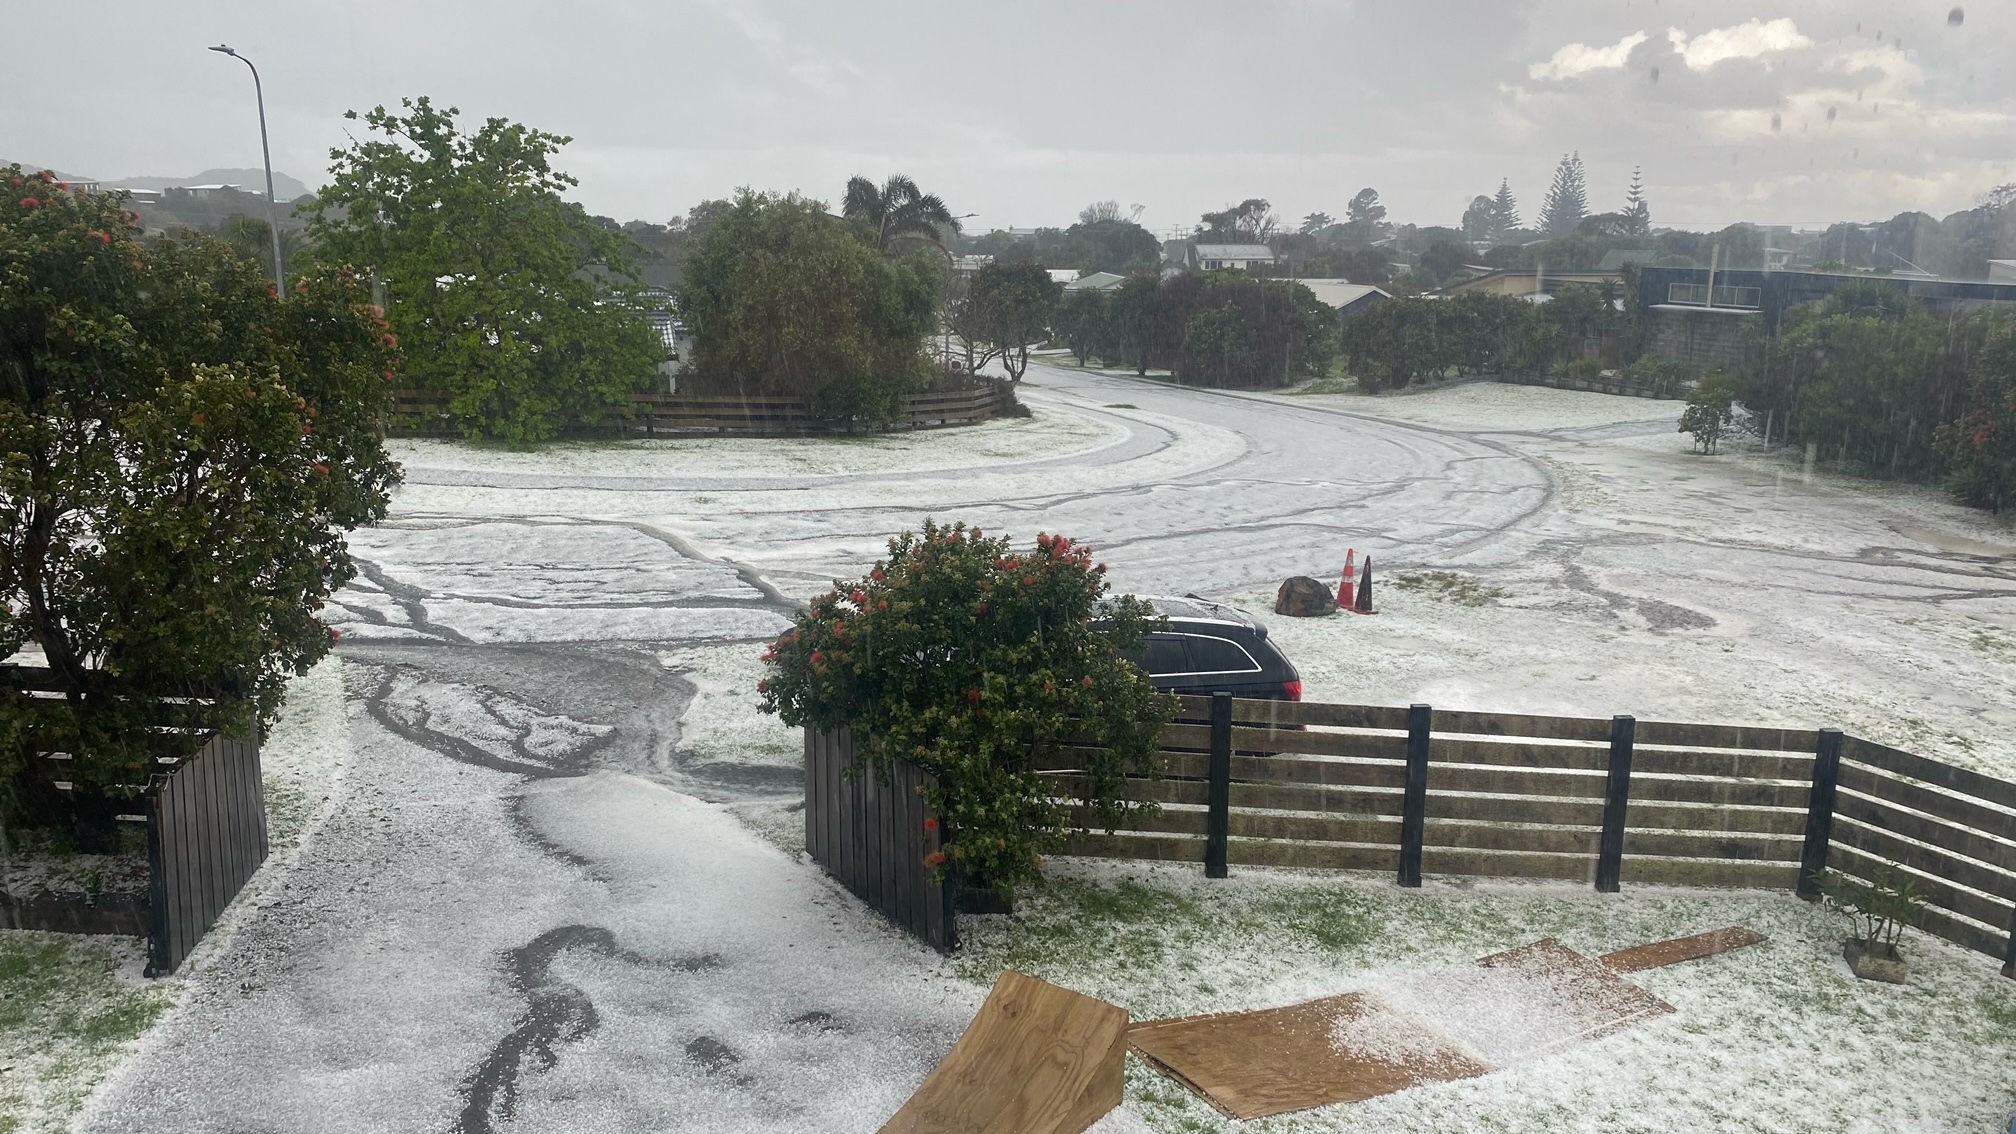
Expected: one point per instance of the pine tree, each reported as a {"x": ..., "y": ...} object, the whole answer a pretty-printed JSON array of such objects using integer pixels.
[
  {"x": 1635, "y": 207},
  {"x": 1506, "y": 207},
  {"x": 1567, "y": 199}
]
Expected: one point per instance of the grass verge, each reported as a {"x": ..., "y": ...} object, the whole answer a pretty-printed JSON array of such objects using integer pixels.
[
  {"x": 1776, "y": 1037},
  {"x": 69, "y": 1005}
]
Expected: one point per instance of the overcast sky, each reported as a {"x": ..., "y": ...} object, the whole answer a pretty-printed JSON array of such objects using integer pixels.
[{"x": 1022, "y": 111}]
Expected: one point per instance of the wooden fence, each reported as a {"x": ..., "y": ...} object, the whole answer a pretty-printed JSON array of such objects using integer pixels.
[
  {"x": 1415, "y": 790},
  {"x": 206, "y": 830},
  {"x": 871, "y": 834},
  {"x": 424, "y": 413},
  {"x": 206, "y": 835}
]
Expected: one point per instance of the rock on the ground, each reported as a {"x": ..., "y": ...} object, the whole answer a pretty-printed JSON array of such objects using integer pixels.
[{"x": 1304, "y": 597}]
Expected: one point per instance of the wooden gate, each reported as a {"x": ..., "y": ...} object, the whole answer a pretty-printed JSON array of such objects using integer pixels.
[
  {"x": 206, "y": 834},
  {"x": 873, "y": 835}
]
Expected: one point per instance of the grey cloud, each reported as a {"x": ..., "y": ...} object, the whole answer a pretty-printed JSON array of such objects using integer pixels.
[{"x": 1023, "y": 110}]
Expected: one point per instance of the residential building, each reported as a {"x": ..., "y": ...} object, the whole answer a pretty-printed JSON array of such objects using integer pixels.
[
  {"x": 1095, "y": 281},
  {"x": 1212, "y": 257},
  {"x": 1704, "y": 319},
  {"x": 1350, "y": 299},
  {"x": 1525, "y": 282}
]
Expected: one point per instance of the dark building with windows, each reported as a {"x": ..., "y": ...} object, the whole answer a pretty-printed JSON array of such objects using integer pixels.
[{"x": 1704, "y": 320}]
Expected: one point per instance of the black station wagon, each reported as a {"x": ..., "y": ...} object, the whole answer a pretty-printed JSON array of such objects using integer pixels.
[{"x": 1209, "y": 647}]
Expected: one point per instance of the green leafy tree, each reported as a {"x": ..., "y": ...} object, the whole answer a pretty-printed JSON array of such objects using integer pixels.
[
  {"x": 1480, "y": 220},
  {"x": 1247, "y": 332},
  {"x": 1860, "y": 386},
  {"x": 1445, "y": 258},
  {"x": 1249, "y": 222},
  {"x": 506, "y": 297},
  {"x": 1980, "y": 445},
  {"x": 785, "y": 299},
  {"x": 1711, "y": 410},
  {"x": 970, "y": 659},
  {"x": 1364, "y": 217},
  {"x": 1081, "y": 321},
  {"x": 1107, "y": 244},
  {"x": 898, "y": 215},
  {"x": 1130, "y": 320},
  {"x": 1016, "y": 302},
  {"x": 183, "y": 451}
]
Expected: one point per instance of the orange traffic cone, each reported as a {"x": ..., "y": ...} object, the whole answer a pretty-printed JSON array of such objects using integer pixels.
[
  {"x": 1347, "y": 587},
  {"x": 1364, "y": 603}
]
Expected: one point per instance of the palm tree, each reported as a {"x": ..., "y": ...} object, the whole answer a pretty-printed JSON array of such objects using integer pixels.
[{"x": 897, "y": 211}]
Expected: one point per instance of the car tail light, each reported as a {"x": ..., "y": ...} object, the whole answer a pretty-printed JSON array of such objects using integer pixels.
[{"x": 1293, "y": 689}]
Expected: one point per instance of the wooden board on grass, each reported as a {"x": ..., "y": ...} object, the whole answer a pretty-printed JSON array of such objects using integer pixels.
[
  {"x": 1037, "y": 1059},
  {"x": 1507, "y": 1008}
]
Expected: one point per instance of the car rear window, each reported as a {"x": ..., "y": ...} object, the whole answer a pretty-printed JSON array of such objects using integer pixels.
[{"x": 1218, "y": 655}]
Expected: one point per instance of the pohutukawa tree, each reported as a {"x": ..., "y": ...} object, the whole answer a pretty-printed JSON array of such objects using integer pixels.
[
  {"x": 183, "y": 450},
  {"x": 970, "y": 658}
]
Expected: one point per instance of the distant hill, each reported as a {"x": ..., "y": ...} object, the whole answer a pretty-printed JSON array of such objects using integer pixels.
[
  {"x": 250, "y": 180},
  {"x": 62, "y": 176}
]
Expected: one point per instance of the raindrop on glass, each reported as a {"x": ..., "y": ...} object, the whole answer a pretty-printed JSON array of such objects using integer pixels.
[
  {"x": 1655, "y": 75},
  {"x": 1775, "y": 123},
  {"x": 1831, "y": 112},
  {"x": 1956, "y": 17}
]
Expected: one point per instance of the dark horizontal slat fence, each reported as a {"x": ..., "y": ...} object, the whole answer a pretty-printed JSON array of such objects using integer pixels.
[
  {"x": 870, "y": 834},
  {"x": 1606, "y": 801},
  {"x": 425, "y": 413},
  {"x": 206, "y": 835},
  {"x": 206, "y": 816}
]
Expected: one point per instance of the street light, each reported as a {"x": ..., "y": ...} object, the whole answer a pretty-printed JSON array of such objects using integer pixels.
[{"x": 266, "y": 151}]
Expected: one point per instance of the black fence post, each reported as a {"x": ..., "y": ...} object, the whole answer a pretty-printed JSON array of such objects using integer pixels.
[
  {"x": 2009, "y": 956},
  {"x": 1616, "y": 797},
  {"x": 1219, "y": 822},
  {"x": 1820, "y": 813},
  {"x": 1414, "y": 801}
]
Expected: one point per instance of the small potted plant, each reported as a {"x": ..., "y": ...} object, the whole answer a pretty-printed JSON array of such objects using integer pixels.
[{"x": 1879, "y": 910}]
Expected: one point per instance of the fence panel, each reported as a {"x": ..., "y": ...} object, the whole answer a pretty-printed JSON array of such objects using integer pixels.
[
  {"x": 870, "y": 834},
  {"x": 1511, "y": 795},
  {"x": 1949, "y": 831},
  {"x": 206, "y": 836}
]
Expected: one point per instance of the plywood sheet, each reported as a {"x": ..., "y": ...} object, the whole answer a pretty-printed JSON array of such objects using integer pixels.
[
  {"x": 1661, "y": 953},
  {"x": 1037, "y": 1059},
  {"x": 1274, "y": 1060},
  {"x": 1435, "y": 1026}
]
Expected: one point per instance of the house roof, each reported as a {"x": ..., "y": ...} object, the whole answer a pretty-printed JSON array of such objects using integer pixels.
[
  {"x": 1342, "y": 293},
  {"x": 1096, "y": 281},
  {"x": 1064, "y": 275},
  {"x": 1233, "y": 252}
]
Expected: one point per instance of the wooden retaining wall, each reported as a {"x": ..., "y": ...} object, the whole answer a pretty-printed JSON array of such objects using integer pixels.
[
  {"x": 871, "y": 835},
  {"x": 1416, "y": 791},
  {"x": 424, "y": 413}
]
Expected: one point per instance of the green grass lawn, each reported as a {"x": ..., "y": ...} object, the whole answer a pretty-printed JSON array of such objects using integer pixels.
[
  {"x": 68, "y": 1005},
  {"x": 1777, "y": 1037}
]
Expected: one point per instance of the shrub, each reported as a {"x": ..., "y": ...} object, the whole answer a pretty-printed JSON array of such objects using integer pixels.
[
  {"x": 968, "y": 658},
  {"x": 1879, "y": 910},
  {"x": 1585, "y": 370},
  {"x": 1711, "y": 410}
]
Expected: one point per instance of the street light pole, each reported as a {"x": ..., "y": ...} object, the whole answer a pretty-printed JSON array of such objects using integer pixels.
[{"x": 265, "y": 151}]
